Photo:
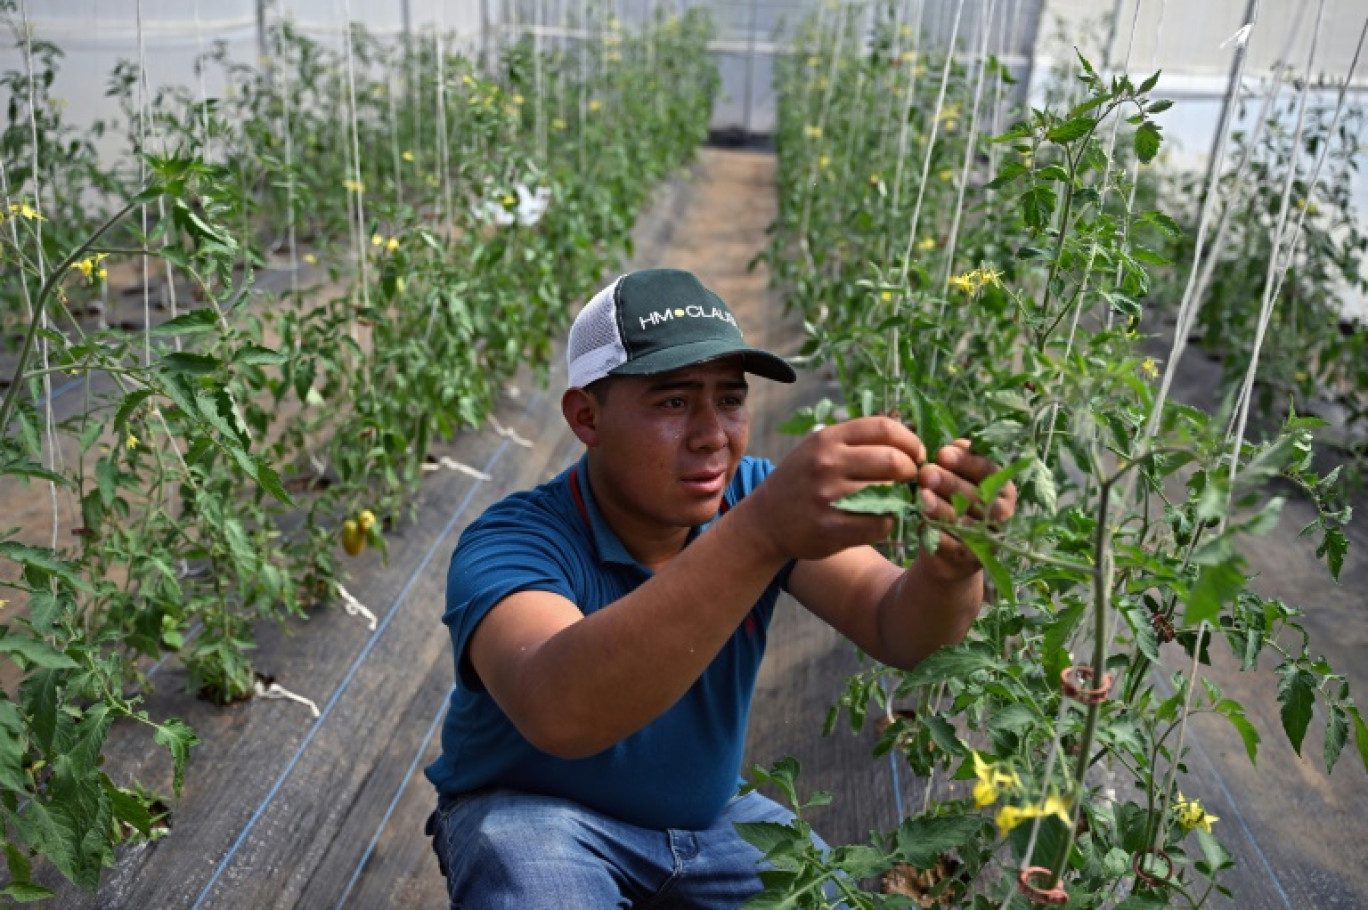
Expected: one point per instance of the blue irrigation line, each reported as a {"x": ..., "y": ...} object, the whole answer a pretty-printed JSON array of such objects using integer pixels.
[
  {"x": 346, "y": 680},
  {"x": 389, "y": 812},
  {"x": 417, "y": 756},
  {"x": 1234, "y": 806}
]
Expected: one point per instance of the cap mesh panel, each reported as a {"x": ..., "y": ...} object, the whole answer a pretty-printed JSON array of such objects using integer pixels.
[{"x": 595, "y": 347}]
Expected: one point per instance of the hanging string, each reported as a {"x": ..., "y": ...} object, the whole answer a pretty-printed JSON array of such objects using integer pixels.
[
  {"x": 443, "y": 150},
  {"x": 909, "y": 96},
  {"x": 1186, "y": 309},
  {"x": 1271, "y": 294},
  {"x": 966, "y": 166},
  {"x": 931, "y": 140},
  {"x": 358, "y": 188},
  {"x": 44, "y": 350},
  {"x": 281, "y": 79}
]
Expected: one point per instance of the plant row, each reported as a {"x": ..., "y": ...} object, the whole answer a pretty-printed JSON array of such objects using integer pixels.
[
  {"x": 433, "y": 218},
  {"x": 982, "y": 269}
]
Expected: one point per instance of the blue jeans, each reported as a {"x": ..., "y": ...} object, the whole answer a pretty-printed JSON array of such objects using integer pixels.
[{"x": 505, "y": 850}]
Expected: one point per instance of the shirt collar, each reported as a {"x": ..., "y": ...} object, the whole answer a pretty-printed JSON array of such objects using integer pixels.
[{"x": 610, "y": 548}]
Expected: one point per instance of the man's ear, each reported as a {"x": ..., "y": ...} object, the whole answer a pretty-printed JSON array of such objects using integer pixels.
[{"x": 581, "y": 411}]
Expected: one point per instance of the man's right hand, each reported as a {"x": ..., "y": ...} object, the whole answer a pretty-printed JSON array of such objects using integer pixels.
[{"x": 792, "y": 510}]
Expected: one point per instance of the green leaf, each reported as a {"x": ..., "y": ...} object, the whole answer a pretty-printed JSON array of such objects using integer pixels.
[
  {"x": 1360, "y": 733},
  {"x": 45, "y": 560},
  {"x": 178, "y": 739},
  {"x": 943, "y": 735},
  {"x": 26, "y": 892},
  {"x": 1333, "y": 547},
  {"x": 1164, "y": 223},
  {"x": 1217, "y": 857},
  {"x": 1149, "y": 83},
  {"x": 921, "y": 840},
  {"x": 770, "y": 838},
  {"x": 957, "y": 663},
  {"x": 127, "y": 407},
  {"x": 993, "y": 484},
  {"x": 1147, "y": 142},
  {"x": 1001, "y": 578},
  {"x": 256, "y": 355},
  {"x": 1037, "y": 204},
  {"x": 1297, "y": 695},
  {"x": 190, "y": 364},
  {"x": 36, "y": 653},
  {"x": 1216, "y": 585},
  {"x": 1336, "y": 732},
  {"x": 1070, "y": 130},
  {"x": 1143, "y": 902},
  {"x": 1234, "y": 712},
  {"x": 196, "y": 322},
  {"x": 878, "y": 499},
  {"x": 1158, "y": 107}
]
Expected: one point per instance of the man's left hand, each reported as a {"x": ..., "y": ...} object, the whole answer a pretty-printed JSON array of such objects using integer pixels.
[{"x": 957, "y": 470}]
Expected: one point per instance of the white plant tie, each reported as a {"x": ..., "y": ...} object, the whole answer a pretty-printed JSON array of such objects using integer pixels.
[
  {"x": 509, "y": 433},
  {"x": 452, "y": 464},
  {"x": 1240, "y": 38},
  {"x": 355, "y": 607},
  {"x": 276, "y": 690}
]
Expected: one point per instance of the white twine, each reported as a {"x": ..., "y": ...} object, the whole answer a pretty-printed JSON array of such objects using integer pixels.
[
  {"x": 509, "y": 433},
  {"x": 355, "y": 607},
  {"x": 1187, "y": 310},
  {"x": 359, "y": 190},
  {"x": 931, "y": 140},
  {"x": 276, "y": 690},
  {"x": 448, "y": 463},
  {"x": 1271, "y": 294}
]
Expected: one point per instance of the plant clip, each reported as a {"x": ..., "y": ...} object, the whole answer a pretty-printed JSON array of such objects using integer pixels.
[
  {"x": 1073, "y": 679},
  {"x": 1152, "y": 881},
  {"x": 1035, "y": 893}
]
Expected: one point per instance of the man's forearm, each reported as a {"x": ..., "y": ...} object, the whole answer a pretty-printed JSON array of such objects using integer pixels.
[
  {"x": 603, "y": 678},
  {"x": 923, "y": 611}
]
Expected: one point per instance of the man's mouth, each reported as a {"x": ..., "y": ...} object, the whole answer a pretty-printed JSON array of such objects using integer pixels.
[{"x": 705, "y": 483}]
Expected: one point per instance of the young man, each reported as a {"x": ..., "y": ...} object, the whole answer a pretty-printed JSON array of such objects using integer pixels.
[{"x": 608, "y": 625}]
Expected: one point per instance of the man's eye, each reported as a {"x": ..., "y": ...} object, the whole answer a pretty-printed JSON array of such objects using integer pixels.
[{"x": 672, "y": 403}]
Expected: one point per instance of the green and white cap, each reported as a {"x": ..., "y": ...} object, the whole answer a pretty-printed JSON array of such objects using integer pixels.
[{"x": 655, "y": 321}]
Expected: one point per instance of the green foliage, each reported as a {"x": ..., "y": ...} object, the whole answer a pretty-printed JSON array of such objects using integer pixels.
[
  {"x": 221, "y": 450},
  {"x": 1125, "y": 550}
]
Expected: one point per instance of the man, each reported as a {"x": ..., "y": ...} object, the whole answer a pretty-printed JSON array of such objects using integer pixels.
[{"x": 608, "y": 625}]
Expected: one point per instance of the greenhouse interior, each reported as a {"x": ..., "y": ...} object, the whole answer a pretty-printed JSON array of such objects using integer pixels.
[{"x": 324, "y": 543}]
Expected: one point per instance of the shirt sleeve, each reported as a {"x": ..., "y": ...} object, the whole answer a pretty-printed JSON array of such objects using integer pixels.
[{"x": 503, "y": 552}]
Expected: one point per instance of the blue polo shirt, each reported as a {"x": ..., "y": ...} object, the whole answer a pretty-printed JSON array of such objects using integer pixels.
[{"x": 678, "y": 771}]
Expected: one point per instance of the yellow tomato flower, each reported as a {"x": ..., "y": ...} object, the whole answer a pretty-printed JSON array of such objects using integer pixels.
[
  {"x": 1008, "y": 817},
  {"x": 25, "y": 211},
  {"x": 822, "y": 162},
  {"x": 353, "y": 186},
  {"x": 886, "y": 296},
  {"x": 875, "y": 180},
  {"x": 392, "y": 244},
  {"x": 964, "y": 283},
  {"x": 812, "y": 132},
  {"x": 466, "y": 80},
  {"x": 595, "y": 106},
  {"x": 1149, "y": 369},
  {"x": 992, "y": 782},
  {"x": 1190, "y": 814},
  {"x": 407, "y": 156},
  {"x": 985, "y": 277},
  {"x": 517, "y": 99},
  {"x": 1057, "y": 807},
  {"x": 311, "y": 259},
  {"x": 90, "y": 267},
  {"x": 132, "y": 441},
  {"x": 3, "y": 604},
  {"x": 509, "y": 200},
  {"x": 928, "y": 244},
  {"x": 558, "y": 124},
  {"x": 377, "y": 240}
]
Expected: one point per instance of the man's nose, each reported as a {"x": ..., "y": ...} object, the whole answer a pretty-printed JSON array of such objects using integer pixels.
[{"x": 706, "y": 430}]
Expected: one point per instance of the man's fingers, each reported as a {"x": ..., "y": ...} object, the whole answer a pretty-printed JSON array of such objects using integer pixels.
[{"x": 880, "y": 431}]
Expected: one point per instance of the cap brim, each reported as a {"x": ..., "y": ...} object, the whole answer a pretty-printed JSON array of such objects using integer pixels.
[{"x": 753, "y": 360}]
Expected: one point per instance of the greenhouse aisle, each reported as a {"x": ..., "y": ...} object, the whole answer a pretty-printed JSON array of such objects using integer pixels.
[{"x": 285, "y": 809}]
